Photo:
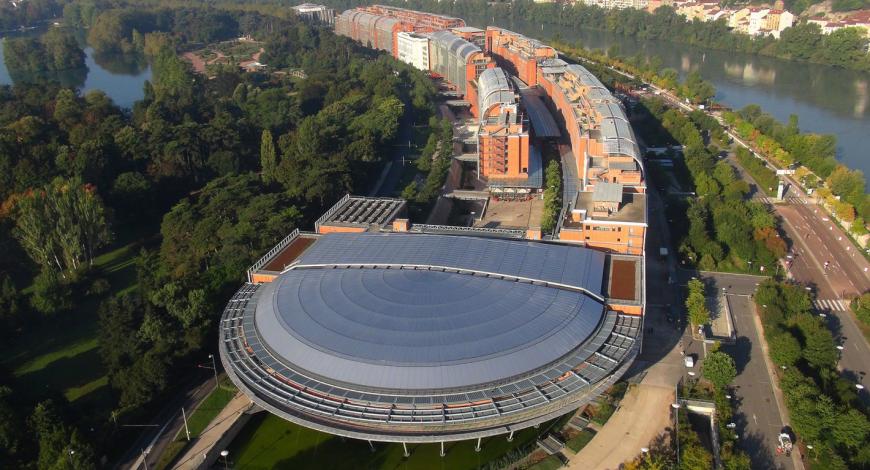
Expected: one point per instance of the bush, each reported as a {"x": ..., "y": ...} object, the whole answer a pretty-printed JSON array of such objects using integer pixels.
[
  {"x": 578, "y": 442},
  {"x": 603, "y": 412},
  {"x": 51, "y": 294}
]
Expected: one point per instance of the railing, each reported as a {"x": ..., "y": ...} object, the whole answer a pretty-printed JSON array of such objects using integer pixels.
[
  {"x": 331, "y": 211},
  {"x": 276, "y": 249},
  {"x": 500, "y": 232}
]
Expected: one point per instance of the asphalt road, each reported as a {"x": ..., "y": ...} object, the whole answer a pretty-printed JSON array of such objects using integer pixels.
[
  {"x": 155, "y": 439},
  {"x": 814, "y": 246},
  {"x": 816, "y": 241},
  {"x": 757, "y": 418},
  {"x": 401, "y": 155}
]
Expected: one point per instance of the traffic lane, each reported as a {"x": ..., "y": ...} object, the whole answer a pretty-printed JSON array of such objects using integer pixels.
[
  {"x": 812, "y": 244},
  {"x": 757, "y": 416},
  {"x": 830, "y": 245},
  {"x": 743, "y": 284},
  {"x": 854, "y": 363},
  {"x": 840, "y": 246},
  {"x": 855, "y": 357}
]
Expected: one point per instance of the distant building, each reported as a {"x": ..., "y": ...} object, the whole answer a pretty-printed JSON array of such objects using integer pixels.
[
  {"x": 316, "y": 13},
  {"x": 618, "y": 4},
  {"x": 414, "y": 49}
]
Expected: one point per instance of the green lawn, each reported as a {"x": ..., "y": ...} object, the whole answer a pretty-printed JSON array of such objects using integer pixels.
[
  {"x": 578, "y": 442},
  {"x": 61, "y": 355},
  {"x": 550, "y": 463},
  {"x": 209, "y": 408},
  {"x": 268, "y": 442}
]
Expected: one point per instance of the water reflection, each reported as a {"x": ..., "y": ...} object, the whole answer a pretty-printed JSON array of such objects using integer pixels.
[
  {"x": 73, "y": 78},
  {"x": 122, "y": 78}
]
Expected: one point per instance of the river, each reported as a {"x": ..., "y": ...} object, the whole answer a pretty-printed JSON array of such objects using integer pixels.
[
  {"x": 826, "y": 99},
  {"x": 122, "y": 80}
]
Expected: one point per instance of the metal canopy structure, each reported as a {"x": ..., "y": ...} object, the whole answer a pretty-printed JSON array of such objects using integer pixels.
[
  {"x": 423, "y": 338},
  {"x": 542, "y": 120}
]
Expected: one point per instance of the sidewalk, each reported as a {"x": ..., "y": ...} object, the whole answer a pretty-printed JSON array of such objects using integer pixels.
[
  {"x": 643, "y": 414},
  {"x": 202, "y": 446}
]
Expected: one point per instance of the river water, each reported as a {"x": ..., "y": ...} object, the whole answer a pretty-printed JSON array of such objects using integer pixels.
[
  {"x": 122, "y": 80},
  {"x": 825, "y": 99}
]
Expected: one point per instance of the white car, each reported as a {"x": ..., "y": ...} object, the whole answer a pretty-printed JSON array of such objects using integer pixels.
[{"x": 689, "y": 361}]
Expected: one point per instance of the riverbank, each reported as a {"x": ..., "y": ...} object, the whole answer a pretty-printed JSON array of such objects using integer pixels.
[{"x": 825, "y": 99}]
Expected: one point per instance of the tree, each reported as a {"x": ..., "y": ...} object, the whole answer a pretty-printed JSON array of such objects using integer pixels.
[
  {"x": 785, "y": 349},
  {"x": 50, "y": 294},
  {"x": 62, "y": 225},
  {"x": 10, "y": 307},
  {"x": 268, "y": 160},
  {"x": 719, "y": 368},
  {"x": 60, "y": 446},
  {"x": 696, "y": 303}
]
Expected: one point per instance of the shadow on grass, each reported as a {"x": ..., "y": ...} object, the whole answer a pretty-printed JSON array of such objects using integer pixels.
[{"x": 61, "y": 374}]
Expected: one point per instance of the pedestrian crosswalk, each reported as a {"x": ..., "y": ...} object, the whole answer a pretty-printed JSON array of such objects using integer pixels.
[
  {"x": 789, "y": 200},
  {"x": 832, "y": 305}
]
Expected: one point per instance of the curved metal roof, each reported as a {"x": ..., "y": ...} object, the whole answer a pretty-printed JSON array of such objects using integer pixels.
[
  {"x": 494, "y": 88},
  {"x": 428, "y": 312},
  {"x": 419, "y": 330},
  {"x": 455, "y": 44}
]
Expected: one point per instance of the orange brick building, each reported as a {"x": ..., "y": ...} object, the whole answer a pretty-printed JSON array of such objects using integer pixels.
[
  {"x": 609, "y": 209},
  {"x": 503, "y": 134},
  {"x": 518, "y": 55}
]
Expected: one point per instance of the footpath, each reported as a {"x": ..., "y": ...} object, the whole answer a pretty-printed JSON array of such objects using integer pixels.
[
  {"x": 643, "y": 414},
  {"x": 205, "y": 449}
]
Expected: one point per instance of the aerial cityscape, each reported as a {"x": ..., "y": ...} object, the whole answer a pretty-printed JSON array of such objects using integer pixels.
[{"x": 535, "y": 234}]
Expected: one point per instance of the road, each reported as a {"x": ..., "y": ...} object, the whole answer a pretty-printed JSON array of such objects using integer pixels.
[
  {"x": 758, "y": 418},
  {"x": 817, "y": 241},
  {"x": 401, "y": 155},
  {"x": 154, "y": 441}
]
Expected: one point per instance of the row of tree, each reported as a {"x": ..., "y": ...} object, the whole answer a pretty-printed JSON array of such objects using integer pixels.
[
  {"x": 725, "y": 230},
  {"x": 824, "y": 407}
]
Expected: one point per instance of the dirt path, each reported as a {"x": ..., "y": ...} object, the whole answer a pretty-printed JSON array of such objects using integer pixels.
[
  {"x": 643, "y": 414},
  {"x": 198, "y": 63}
]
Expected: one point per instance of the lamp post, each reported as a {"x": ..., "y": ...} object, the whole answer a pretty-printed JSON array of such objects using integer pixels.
[
  {"x": 676, "y": 407},
  {"x": 224, "y": 454},
  {"x": 214, "y": 368}
]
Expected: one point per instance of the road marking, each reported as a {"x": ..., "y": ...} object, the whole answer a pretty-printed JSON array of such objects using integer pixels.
[{"x": 833, "y": 305}]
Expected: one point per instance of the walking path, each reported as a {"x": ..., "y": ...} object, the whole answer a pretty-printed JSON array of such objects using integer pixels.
[
  {"x": 643, "y": 414},
  {"x": 202, "y": 446}
]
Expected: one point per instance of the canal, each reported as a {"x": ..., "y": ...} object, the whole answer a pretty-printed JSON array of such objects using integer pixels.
[{"x": 826, "y": 99}]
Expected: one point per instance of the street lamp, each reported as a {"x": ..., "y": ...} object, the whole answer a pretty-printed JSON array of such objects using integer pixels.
[
  {"x": 224, "y": 454},
  {"x": 214, "y": 368}
]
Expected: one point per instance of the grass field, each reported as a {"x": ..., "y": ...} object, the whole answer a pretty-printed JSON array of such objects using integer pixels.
[
  {"x": 61, "y": 355},
  {"x": 269, "y": 442},
  {"x": 209, "y": 408}
]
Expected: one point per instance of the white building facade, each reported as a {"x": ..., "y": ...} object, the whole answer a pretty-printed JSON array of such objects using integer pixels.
[{"x": 414, "y": 49}]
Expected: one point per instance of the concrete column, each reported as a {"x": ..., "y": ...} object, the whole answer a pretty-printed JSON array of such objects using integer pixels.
[
  {"x": 405, "y": 447},
  {"x": 442, "y": 449},
  {"x": 477, "y": 447},
  {"x": 511, "y": 437}
]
